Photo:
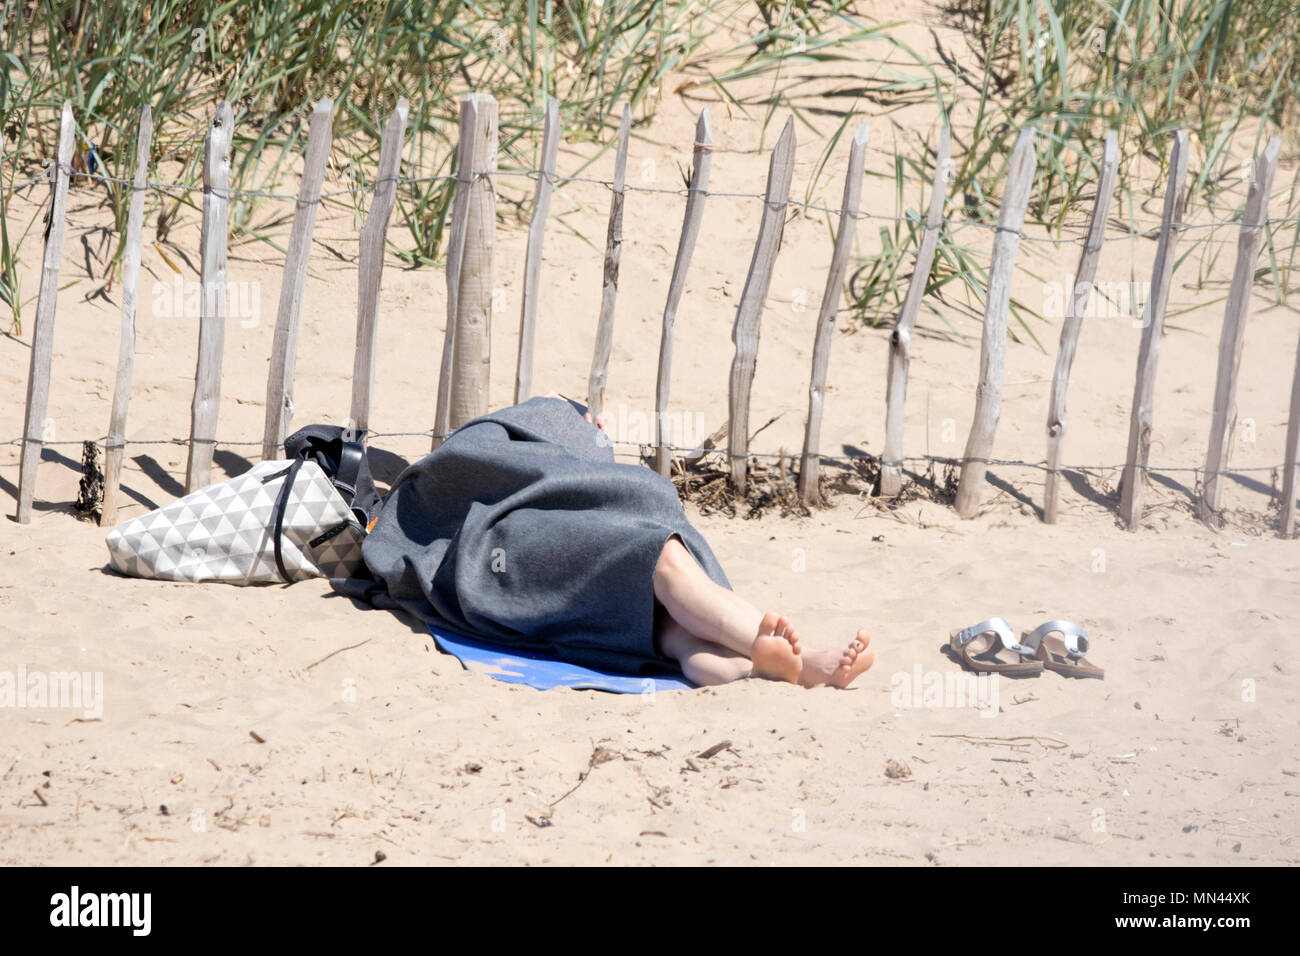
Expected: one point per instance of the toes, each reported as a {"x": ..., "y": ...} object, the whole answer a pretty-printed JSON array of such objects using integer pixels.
[
  {"x": 857, "y": 660},
  {"x": 770, "y": 623},
  {"x": 851, "y": 656}
]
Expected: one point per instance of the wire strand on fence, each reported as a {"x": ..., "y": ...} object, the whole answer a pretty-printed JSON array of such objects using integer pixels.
[
  {"x": 646, "y": 448},
  {"x": 260, "y": 193},
  {"x": 1136, "y": 230},
  {"x": 35, "y": 180}
]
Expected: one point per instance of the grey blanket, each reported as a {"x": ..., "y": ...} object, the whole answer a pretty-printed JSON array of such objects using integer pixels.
[{"x": 523, "y": 531}]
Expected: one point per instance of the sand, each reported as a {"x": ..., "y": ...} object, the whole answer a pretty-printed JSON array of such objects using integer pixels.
[{"x": 228, "y": 733}]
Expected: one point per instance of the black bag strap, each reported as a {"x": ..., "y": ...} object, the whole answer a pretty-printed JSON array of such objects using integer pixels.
[
  {"x": 352, "y": 457},
  {"x": 282, "y": 505}
]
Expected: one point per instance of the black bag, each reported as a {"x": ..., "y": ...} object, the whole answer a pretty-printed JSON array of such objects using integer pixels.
[{"x": 344, "y": 462}]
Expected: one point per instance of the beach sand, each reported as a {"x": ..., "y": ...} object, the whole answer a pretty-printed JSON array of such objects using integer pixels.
[{"x": 274, "y": 725}]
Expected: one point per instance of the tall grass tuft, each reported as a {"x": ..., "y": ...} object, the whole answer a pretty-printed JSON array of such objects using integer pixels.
[
  {"x": 273, "y": 58},
  {"x": 1228, "y": 71}
]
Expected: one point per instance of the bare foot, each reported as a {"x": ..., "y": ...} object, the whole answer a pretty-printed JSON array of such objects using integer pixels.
[
  {"x": 827, "y": 668},
  {"x": 776, "y": 650}
]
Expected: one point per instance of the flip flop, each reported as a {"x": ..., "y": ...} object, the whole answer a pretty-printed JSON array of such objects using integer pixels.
[
  {"x": 983, "y": 646},
  {"x": 1063, "y": 653}
]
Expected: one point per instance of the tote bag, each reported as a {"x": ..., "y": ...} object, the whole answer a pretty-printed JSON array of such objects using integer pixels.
[{"x": 281, "y": 521}]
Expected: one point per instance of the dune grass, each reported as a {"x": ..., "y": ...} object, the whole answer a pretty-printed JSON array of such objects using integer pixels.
[
  {"x": 272, "y": 59},
  {"x": 1227, "y": 71},
  {"x": 1223, "y": 69}
]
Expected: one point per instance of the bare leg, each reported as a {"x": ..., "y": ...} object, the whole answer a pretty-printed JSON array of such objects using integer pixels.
[
  {"x": 705, "y": 609},
  {"x": 703, "y": 662},
  {"x": 710, "y": 612}
]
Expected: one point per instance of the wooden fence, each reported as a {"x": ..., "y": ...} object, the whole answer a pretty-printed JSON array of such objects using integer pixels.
[{"x": 466, "y": 359}]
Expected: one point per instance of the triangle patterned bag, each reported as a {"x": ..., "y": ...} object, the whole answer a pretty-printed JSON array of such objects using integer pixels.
[{"x": 281, "y": 521}]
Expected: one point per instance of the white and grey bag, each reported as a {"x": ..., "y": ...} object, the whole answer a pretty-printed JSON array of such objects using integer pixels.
[{"x": 280, "y": 521}]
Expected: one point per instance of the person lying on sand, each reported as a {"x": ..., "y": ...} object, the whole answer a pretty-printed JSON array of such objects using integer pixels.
[{"x": 522, "y": 530}]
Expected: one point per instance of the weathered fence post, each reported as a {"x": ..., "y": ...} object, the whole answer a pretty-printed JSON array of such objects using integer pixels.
[
  {"x": 370, "y": 266},
  {"x": 1153, "y": 320},
  {"x": 809, "y": 465},
  {"x": 115, "y": 446},
  {"x": 993, "y": 346},
  {"x": 900, "y": 341},
  {"x": 609, "y": 287},
  {"x": 533, "y": 257},
  {"x": 749, "y": 312},
  {"x": 1287, "y": 525},
  {"x": 455, "y": 253},
  {"x": 472, "y": 346},
  {"x": 212, "y": 310},
  {"x": 696, "y": 194},
  {"x": 284, "y": 347},
  {"x": 1233, "y": 336},
  {"x": 1075, "y": 309},
  {"x": 469, "y": 269},
  {"x": 38, "y": 373}
]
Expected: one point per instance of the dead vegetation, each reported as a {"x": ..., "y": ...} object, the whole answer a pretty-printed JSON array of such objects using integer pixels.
[{"x": 773, "y": 485}]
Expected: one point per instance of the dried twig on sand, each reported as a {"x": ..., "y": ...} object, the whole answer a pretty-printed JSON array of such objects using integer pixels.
[
  {"x": 599, "y": 755},
  {"x": 1047, "y": 743},
  {"x": 339, "y": 651}
]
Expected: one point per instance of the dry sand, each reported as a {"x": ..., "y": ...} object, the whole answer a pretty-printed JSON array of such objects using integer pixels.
[{"x": 1185, "y": 754}]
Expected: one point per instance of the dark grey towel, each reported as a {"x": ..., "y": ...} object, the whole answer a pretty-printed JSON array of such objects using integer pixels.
[{"x": 522, "y": 530}]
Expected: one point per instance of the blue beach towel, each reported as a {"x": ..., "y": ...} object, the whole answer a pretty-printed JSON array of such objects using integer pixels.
[{"x": 543, "y": 672}]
